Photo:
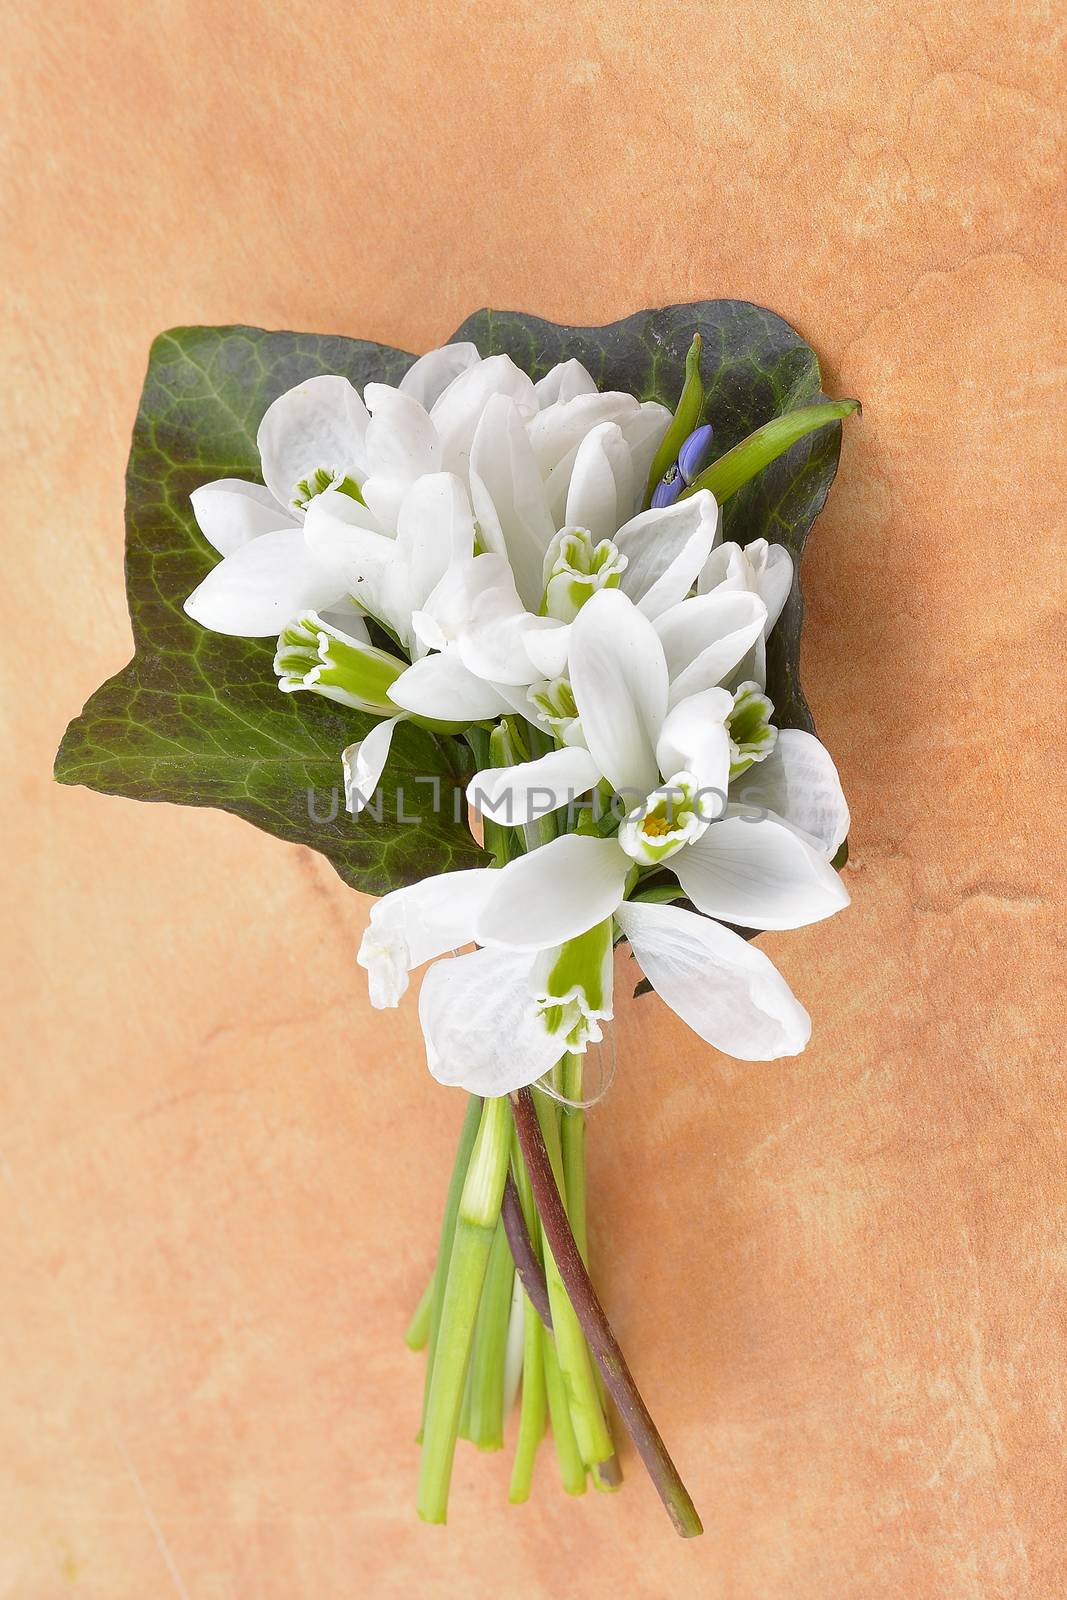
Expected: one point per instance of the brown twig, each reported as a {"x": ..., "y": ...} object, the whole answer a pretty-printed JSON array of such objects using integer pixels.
[
  {"x": 595, "y": 1325},
  {"x": 527, "y": 1265}
]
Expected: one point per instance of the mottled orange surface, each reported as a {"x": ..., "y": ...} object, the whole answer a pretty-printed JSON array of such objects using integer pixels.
[{"x": 841, "y": 1280}]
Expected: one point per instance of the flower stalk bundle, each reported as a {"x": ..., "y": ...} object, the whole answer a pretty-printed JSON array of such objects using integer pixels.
[{"x": 530, "y": 603}]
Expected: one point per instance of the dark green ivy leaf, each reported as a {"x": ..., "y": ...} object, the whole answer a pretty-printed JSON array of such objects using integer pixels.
[{"x": 196, "y": 717}]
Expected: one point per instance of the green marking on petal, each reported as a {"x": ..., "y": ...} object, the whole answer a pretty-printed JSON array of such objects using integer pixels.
[
  {"x": 553, "y": 700},
  {"x": 752, "y": 736},
  {"x": 671, "y": 817},
  {"x": 576, "y": 569},
  {"x": 318, "y": 482},
  {"x": 316, "y": 656},
  {"x": 573, "y": 986}
]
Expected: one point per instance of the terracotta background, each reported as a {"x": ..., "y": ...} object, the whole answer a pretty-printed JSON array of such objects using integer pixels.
[{"x": 841, "y": 1280}]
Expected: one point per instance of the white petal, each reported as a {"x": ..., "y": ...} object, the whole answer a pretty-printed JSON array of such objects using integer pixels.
[
  {"x": 417, "y": 924},
  {"x": 523, "y": 793},
  {"x": 435, "y": 528},
  {"x": 343, "y": 534},
  {"x": 402, "y": 444},
  {"x": 758, "y": 873},
  {"x": 440, "y": 687},
  {"x": 499, "y": 642},
  {"x": 348, "y": 619},
  {"x": 364, "y": 763},
  {"x": 554, "y": 893},
  {"x": 504, "y": 472},
  {"x": 763, "y": 569},
  {"x": 619, "y": 677},
  {"x": 776, "y": 582},
  {"x": 704, "y": 638},
  {"x": 481, "y": 1026},
  {"x": 558, "y": 431},
  {"x": 666, "y": 550},
  {"x": 694, "y": 739},
  {"x": 230, "y": 511},
  {"x": 320, "y": 423},
  {"x": 432, "y": 373},
  {"x": 458, "y": 411},
  {"x": 721, "y": 985},
  {"x": 263, "y": 584},
  {"x": 726, "y": 568},
  {"x": 451, "y": 606},
  {"x": 548, "y": 648},
  {"x": 558, "y": 486},
  {"x": 799, "y": 782},
  {"x": 562, "y": 383},
  {"x": 601, "y": 491}
]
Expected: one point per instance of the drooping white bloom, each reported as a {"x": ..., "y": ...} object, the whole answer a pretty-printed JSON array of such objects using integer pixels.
[
  {"x": 486, "y": 1013},
  {"x": 310, "y": 438},
  {"x": 798, "y": 781}
]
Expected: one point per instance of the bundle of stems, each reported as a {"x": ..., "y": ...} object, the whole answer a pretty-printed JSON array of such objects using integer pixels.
[{"x": 511, "y": 1302}]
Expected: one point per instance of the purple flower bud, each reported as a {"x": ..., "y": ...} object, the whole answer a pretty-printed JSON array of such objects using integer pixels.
[
  {"x": 695, "y": 453},
  {"x": 668, "y": 489}
]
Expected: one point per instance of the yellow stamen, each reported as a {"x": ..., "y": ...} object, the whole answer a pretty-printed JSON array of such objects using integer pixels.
[{"x": 656, "y": 827}]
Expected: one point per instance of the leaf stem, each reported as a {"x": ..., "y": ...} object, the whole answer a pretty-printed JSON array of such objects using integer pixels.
[{"x": 597, "y": 1329}]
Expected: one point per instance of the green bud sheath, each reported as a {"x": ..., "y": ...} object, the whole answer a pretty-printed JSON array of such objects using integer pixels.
[
  {"x": 733, "y": 470},
  {"x": 686, "y": 417}
]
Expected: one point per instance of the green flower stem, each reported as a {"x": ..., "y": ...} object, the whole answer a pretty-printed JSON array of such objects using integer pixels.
[
  {"x": 418, "y": 1334},
  {"x": 463, "y": 1427},
  {"x": 607, "y": 1475},
  {"x": 588, "y": 1310},
  {"x": 467, "y": 1136},
  {"x": 572, "y": 1141},
  {"x": 571, "y": 1465},
  {"x": 733, "y": 470},
  {"x": 476, "y": 1220},
  {"x": 532, "y": 1407},
  {"x": 486, "y": 1421},
  {"x": 590, "y": 1429}
]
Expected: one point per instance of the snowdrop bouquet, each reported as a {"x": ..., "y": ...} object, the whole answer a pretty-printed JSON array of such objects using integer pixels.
[{"x": 509, "y": 632}]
